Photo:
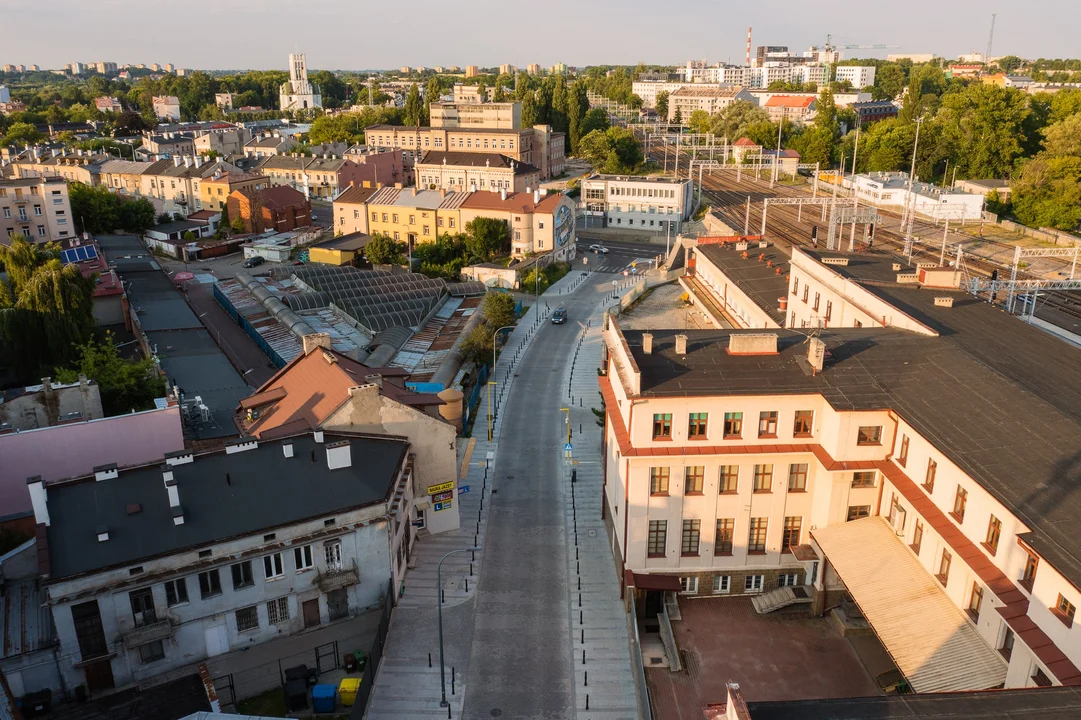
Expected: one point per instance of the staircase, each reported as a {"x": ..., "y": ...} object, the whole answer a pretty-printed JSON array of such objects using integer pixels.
[{"x": 781, "y": 597}]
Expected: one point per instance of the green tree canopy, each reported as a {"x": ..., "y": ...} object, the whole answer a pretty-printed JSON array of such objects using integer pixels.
[
  {"x": 125, "y": 385},
  {"x": 384, "y": 250},
  {"x": 662, "y": 104},
  {"x": 594, "y": 119},
  {"x": 22, "y": 133},
  {"x": 984, "y": 127},
  {"x": 1064, "y": 137},
  {"x": 486, "y": 237},
  {"x": 1048, "y": 192},
  {"x": 733, "y": 120},
  {"x": 415, "y": 111},
  {"x": 615, "y": 150},
  {"x": 344, "y": 128}
]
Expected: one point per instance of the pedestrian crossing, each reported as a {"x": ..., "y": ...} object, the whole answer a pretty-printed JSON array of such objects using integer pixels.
[{"x": 619, "y": 265}]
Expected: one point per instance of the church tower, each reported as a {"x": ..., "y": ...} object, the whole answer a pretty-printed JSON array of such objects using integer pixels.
[{"x": 298, "y": 93}]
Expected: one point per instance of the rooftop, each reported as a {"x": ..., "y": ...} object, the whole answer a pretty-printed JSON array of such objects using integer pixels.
[
  {"x": 476, "y": 159},
  {"x": 761, "y": 283},
  {"x": 515, "y": 202},
  {"x": 790, "y": 101},
  {"x": 601, "y": 177},
  {"x": 262, "y": 480},
  {"x": 352, "y": 241},
  {"x": 711, "y": 91},
  {"x": 276, "y": 197},
  {"x": 423, "y": 199},
  {"x": 355, "y": 195}
]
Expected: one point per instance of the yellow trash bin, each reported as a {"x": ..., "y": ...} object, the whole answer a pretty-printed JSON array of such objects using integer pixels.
[{"x": 348, "y": 689}]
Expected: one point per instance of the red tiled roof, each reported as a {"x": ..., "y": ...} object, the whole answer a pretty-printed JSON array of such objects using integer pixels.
[
  {"x": 516, "y": 202},
  {"x": 745, "y": 142},
  {"x": 790, "y": 101}
]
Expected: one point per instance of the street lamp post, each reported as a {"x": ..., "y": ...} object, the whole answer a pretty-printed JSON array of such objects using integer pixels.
[
  {"x": 490, "y": 384},
  {"x": 439, "y": 606},
  {"x": 495, "y": 335}
]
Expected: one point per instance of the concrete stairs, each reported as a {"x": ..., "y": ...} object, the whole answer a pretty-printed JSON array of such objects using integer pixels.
[{"x": 780, "y": 598}]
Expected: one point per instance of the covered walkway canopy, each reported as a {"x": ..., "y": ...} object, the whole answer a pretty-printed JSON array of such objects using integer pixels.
[{"x": 929, "y": 638}]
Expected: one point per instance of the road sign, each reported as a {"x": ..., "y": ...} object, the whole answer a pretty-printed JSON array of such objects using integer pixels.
[
  {"x": 418, "y": 523},
  {"x": 442, "y": 487},
  {"x": 568, "y": 447},
  {"x": 463, "y": 489}
]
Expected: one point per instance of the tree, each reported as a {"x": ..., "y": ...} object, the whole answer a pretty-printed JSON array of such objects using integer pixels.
[
  {"x": 432, "y": 92},
  {"x": 136, "y": 215},
  {"x": 889, "y": 81},
  {"x": 733, "y": 120},
  {"x": 1009, "y": 63},
  {"x": 384, "y": 250},
  {"x": 22, "y": 133},
  {"x": 125, "y": 386},
  {"x": 344, "y": 128},
  {"x": 700, "y": 121},
  {"x": 486, "y": 237},
  {"x": 529, "y": 110},
  {"x": 662, "y": 104},
  {"x": 1048, "y": 192},
  {"x": 594, "y": 119},
  {"x": 677, "y": 118},
  {"x": 983, "y": 126},
  {"x": 414, "y": 112},
  {"x": 1064, "y": 137},
  {"x": 615, "y": 150},
  {"x": 498, "y": 310},
  {"x": 96, "y": 209},
  {"x": 238, "y": 225}
]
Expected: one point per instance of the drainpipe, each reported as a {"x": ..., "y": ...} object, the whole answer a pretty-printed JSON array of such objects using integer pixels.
[{"x": 889, "y": 458}]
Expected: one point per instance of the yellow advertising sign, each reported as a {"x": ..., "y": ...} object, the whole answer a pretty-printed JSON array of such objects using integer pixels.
[{"x": 442, "y": 487}]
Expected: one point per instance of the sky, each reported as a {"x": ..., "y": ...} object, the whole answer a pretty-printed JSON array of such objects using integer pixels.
[{"x": 347, "y": 34}]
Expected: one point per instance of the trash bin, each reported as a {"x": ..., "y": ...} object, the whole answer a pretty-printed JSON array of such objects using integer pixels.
[
  {"x": 297, "y": 672},
  {"x": 350, "y": 661},
  {"x": 361, "y": 659},
  {"x": 348, "y": 689},
  {"x": 324, "y": 698},
  {"x": 296, "y": 694}
]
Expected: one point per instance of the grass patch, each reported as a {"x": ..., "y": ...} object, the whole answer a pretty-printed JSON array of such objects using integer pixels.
[{"x": 268, "y": 704}]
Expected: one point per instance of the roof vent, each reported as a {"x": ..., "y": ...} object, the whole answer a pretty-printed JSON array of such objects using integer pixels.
[
  {"x": 339, "y": 455},
  {"x": 318, "y": 435},
  {"x": 241, "y": 445},
  {"x": 134, "y": 509},
  {"x": 681, "y": 344},
  {"x": 106, "y": 472},
  {"x": 103, "y": 533},
  {"x": 181, "y": 457},
  {"x": 896, "y": 267},
  {"x": 816, "y": 354},
  {"x": 287, "y": 448},
  {"x": 835, "y": 261},
  {"x": 944, "y": 302},
  {"x": 647, "y": 343},
  {"x": 752, "y": 344}
]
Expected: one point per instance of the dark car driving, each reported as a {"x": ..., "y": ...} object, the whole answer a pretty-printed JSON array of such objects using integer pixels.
[{"x": 559, "y": 316}]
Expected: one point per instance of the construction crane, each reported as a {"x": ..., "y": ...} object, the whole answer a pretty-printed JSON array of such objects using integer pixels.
[
  {"x": 830, "y": 46},
  {"x": 990, "y": 39}
]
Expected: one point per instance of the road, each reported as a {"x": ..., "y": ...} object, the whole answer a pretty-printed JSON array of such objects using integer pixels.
[{"x": 621, "y": 256}]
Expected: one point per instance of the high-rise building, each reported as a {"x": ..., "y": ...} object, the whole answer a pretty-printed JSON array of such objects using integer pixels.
[
  {"x": 507, "y": 69},
  {"x": 471, "y": 71},
  {"x": 533, "y": 69},
  {"x": 558, "y": 69},
  {"x": 298, "y": 93},
  {"x": 169, "y": 68}
]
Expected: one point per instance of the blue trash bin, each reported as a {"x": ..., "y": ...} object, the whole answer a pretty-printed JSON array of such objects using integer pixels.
[{"x": 324, "y": 698}]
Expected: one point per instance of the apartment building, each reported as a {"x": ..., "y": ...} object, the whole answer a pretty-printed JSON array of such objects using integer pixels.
[
  {"x": 648, "y": 90},
  {"x": 351, "y": 210},
  {"x": 379, "y": 167},
  {"x": 796, "y": 109},
  {"x": 462, "y": 93},
  {"x": 269, "y": 143},
  {"x": 471, "y": 71},
  {"x": 72, "y": 165},
  {"x": 538, "y": 146},
  {"x": 108, "y": 104},
  {"x": 279, "y": 208},
  {"x": 872, "y": 457},
  {"x": 411, "y": 215},
  {"x": 533, "y": 69},
  {"x": 37, "y": 207},
  {"x": 858, "y": 76},
  {"x": 167, "y": 143},
  {"x": 463, "y": 171},
  {"x": 232, "y": 551},
  {"x": 539, "y": 222},
  {"x": 166, "y": 107},
  {"x": 711, "y": 100},
  {"x": 174, "y": 186},
  {"x": 473, "y": 113},
  {"x": 655, "y": 204},
  {"x": 214, "y": 191},
  {"x": 320, "y": 176},
  {"x": 226, "y": 141}
]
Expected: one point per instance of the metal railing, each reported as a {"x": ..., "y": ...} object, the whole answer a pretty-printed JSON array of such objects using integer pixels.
[{"x": 638, "y": 669}]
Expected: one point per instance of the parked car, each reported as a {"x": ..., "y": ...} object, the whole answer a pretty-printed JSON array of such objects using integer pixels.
[
  {"x": 559, "y": 316},
  {"x": 254, "y": 260}
]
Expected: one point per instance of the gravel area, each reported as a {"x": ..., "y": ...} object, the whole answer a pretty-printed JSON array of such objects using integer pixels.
[{"x": 663, "y": 309}]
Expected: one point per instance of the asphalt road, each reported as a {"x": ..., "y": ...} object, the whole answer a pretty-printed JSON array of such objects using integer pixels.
[
  {"x": 619, "y": 257},
  {"x": 521, "y": 657}
]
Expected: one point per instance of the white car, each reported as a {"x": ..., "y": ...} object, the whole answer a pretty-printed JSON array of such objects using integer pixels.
[
  {"x": 602, "y": 250},
  {"x": 595, "y": 247}
]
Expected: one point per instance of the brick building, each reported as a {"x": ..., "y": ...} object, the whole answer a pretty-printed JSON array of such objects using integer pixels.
[{"x": 278, "y": 208}]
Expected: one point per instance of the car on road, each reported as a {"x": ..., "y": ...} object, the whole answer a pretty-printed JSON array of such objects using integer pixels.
[
  {"x": 254, "y": 260},
  {"x": 559, "y": 316},
  {"x": 595, "y": 247},
  {"x": 602, "y": 250}
]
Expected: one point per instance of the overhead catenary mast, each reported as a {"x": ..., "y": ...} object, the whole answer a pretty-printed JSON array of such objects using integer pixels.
[{"x": 990, "y": 39}]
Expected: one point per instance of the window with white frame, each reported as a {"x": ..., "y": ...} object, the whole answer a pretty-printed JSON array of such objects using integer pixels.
[
  {"x": 302, "y": 556},
  {"x": 788, "y": 579},
  {"x": 278, "y": 610},
  {"x": 273, "y": 567},
  {"x": 688, "y": 585},
  {"x": 722, "y": 583},
  {"x": 247, "y": 619},
  {"x": 753, "y": 583},
  {"x": 332, "y": 553}
]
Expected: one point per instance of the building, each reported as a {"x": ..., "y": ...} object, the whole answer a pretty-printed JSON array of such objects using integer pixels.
[
  {"x": 461, "y": 172},
  {"x": 462, "y": 93},
  {"x": 201, "y": 582},
  {"x": 225, "y": 100},
  {"x": 965, "y": 70},
  {"x": 269, "y": 143},
  {"x": 168, "y": 144},
  {"x": 539, "y": 221},
  {"x": 172, "y": 238},
  {"x": 655, "y": 204},
  {"x": 470, "y": 114},
  {"x": 817, "y": 75},
  {"x": 874, "y": 110},
  {"x": 166, "y": 107},
  {"x": 104, "y": 68},
  {"x": 350, "y": 210},
  {"x": 533, "y": 69},
  {"x": 858, "y": 76},
  {"x": 890, "y": 189},
  {"x": 297, "y": 93},
  {"x": 412, "y": 215},
  {"x": 173, "y": 186},
  {"x": 170, "y": 68},
  {"x": 471, "y": 71},
  {"x": 225, "y": 142},
  {"x": 796, "y": 109},
  {"x": 315, "y": 176},
  {"x": 279, "y": 208},
  {"x": 73, "y": 166},
  {"x": 506, "y": 69},
  {"x": 36, "y": 207},
  {"x": 649, "y": 90},
  {"x": 214, "y": 191},
  {"x": 49, "y": 404},
  {"x": 5, "y": 95},
  {"x": 743, "y": 147},
  {"x": 983, "y": 187},
  {"x": 558, "y": 69},
  {"x": 914, "y": 58},
  {"x": 707, "y": 99},
  {"x": 339, "y": 250},
  {"x": 356, "y": 398},
  {"x": 108, "y": 104},
  {"x": 379, "y": 167}
]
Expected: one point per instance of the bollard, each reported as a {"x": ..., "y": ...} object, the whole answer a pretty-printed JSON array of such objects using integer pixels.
[
  {"x": 587, "y": 702},
  {"x": 467, "y": 584},
  {"x": 583, "y": 657},
  {"x": 575, "y": 553},
  {"x": 442, "y": 596},
  {"x": 473, "y": 554},
  {"x": 586, "y": 678},
  {"x": 583, "y": 637},
  {"x": 430, "y": 658},
  {"x": 581, "y": 618},
  {"x": 579, "y": 599},
  {"x": 470, "y": 569},
  {"x": 448, "y": 711},
  {"x": 578, "y": 564},
  {"x": 579, "y": 583}
]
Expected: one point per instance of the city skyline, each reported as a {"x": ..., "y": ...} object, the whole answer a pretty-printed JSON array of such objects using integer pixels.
[{"x": 961, "y": 27}]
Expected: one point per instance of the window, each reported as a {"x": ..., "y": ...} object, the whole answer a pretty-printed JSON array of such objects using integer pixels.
[
  {"x": 795, "y": 286},
  {"x": 394, "y": 217},
  {"x": 804, "y": 423},
  {"x": 375, "y": 217},
  {"x": 658, "y": 481},
  {"x": 1005, "y": 648},
  {"x": 929, "y": 480},
  {"x": 869, "y": 435},
  {"x": 722, "y": 583},
  {"x": 278, "y": 610},
  {"x": 729, "y": 481},
  {"x": 695, "y": 478},
  {"x": 917, "y": 537},
  {"x": 1040, "y": 677},
  {"x": 205, "y": 553},
  {"x": 412, "y": 219},
  {"x": 384, "y": 217},
  {"x": 733, "y": 425},
  {"x": 806, "y": 292},
  {"x": 41, "y": 231},
  {"x": 1064, "y": 610},
  {"x": 151, "y": 652},
  {"x": 792, "y": 527},
  {"x": 753, "y": 583},
  {"x": 994, "y": 531},
  {"x": 247, "y": 619},
  {"x": 763, "y": 478},
  {"x": 273, "y": 567},
  {"x": 302, "y": 557},
  {"x": 696, "y": 425},
  {"x": 797, "y": 477},
  {"x": 37, "y": 210},
  {"x": 662, "y": 426},
  {"x": 944, "y": 567},
  {"x": 975, "y": 597},
  {"x": 688, "y": 585},
  {"x": 788, "y": 579},
  {"x": 439, "y": 222},
  {"x": 332, "y": 554},
  {"x": 1029, "y": 575},
  {"x": 829, "y": 310},
  {"x": 960, "y": 501},
  {"x": 142, "y": 607},
  {"x": 242, "y": 575},
  {"x": 902, "y": 457},
  {"x": 658, "y": 529},
  {"x": 692, "y": 533},
  {"x": 767, "y": 423},
  {"x": 756, "y": 539},
  {"x": 815, "y": 306},
  {"x": 863, "y": 479},
  {"x": 725, "y": 531},
  {"x": 855, "y": 512},
  {"x": 176, "y": 592},
  {"x": 209, "y": 584}
]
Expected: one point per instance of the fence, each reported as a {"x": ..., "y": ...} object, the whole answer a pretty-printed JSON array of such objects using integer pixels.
[
  {"x": 248, "y": 328},
  {"x": 375, "y": 655},
  {"x": 472, "y": 407},
  {"x": 645, "y": 712}
]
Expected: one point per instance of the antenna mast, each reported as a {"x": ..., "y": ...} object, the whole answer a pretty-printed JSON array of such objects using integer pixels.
[{"x": 990, "y": 39}]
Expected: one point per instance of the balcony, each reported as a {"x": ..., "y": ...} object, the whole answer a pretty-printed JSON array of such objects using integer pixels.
[
  {"x": 158, "y": 630},
  {"x": 337, "y": 578}
]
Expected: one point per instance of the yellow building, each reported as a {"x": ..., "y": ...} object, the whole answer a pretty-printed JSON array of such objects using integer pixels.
[
  {"x": 414, "y": 216},
  {"x": 471, "y": 71},
  {"x": 351, "y": 210},
  {"x": 341, "y": 250},
  {"x": 214, "y": 191}
]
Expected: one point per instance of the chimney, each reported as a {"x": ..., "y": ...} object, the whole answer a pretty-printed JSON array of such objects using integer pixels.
[
  {"x": 187, "y": 162},
  {"x": 287, "y": 448},
  {"x": 103, "y": 533},
  {"x": 339, "y": 455},
  {"x": 106, "y": 472},
  {"x": 311, "y": 341},
  {"x": 176, "y": 161},
  {"x": 442, "y": 192},
  {"x": 816, "y": 354},
  {"x": 318, "y": 435},
  {"x": 647, "y": 343},
  {"x": 503, "y": 194},
  {"x": 38, "y": 499},
  {"x": 752, "y": 344},
  {"x": 536, "y": 196}
]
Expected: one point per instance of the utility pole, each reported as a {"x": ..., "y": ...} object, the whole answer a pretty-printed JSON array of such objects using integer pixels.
[
  {"x": 911, "y": 198},
  {"x": 777, "y": 158},
  {"x": 990, "y": 39}
]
